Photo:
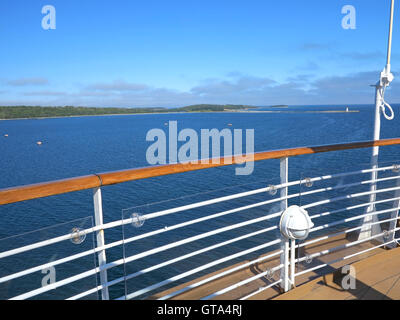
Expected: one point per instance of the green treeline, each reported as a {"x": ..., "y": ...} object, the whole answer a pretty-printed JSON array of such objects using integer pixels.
[{"x": 16, "y": 112}]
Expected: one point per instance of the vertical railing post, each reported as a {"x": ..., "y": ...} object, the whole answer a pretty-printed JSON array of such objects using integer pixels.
[
  {"x": 386, "y": 77},
  {"x": 284, "y": 258},
  {"x": 394, "y": 215},
  {"x": 98, "y": 215},
  {"x": 367, "y": 229},
  {"x": 292, "y": 261}
]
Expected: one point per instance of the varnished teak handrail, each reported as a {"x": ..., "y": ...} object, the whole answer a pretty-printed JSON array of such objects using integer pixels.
[{"x": 40, "y": 190}]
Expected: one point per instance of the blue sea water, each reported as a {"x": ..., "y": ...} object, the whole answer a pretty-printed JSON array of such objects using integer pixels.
[{"x": 85, "y": 145}]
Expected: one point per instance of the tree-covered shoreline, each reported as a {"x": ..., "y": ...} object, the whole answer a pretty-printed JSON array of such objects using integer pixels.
[{"x": 21, "y": 112}]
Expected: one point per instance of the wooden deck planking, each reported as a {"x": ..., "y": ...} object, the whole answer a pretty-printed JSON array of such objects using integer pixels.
[
  {"x": 235, "y": 277},
  {"x": 377, "y": 278}
]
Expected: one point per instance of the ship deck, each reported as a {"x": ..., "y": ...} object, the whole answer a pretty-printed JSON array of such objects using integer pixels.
[
  {"x": 376, "y": 278},
  {"x": 317, "y": 284}
]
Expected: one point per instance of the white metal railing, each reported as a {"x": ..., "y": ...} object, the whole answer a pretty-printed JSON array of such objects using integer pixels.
[{"x": 288, "y": 259}]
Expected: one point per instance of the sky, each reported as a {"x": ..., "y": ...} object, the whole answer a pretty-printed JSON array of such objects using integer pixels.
[{"x": 169, "y": 53}]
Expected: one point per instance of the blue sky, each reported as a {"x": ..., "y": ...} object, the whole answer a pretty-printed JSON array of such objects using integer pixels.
[{"x": 128, "y": 53}]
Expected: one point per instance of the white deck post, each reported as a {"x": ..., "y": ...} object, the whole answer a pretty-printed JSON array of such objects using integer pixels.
[
  {"x": 292, "y": 261},
  {"x": 98, "y": 215},
  {"x": 392, "y": 224},
  {"x": 385, "y": 79},
  {"x": 284, "y": 258},
  {"x": 369, "y": 230}
]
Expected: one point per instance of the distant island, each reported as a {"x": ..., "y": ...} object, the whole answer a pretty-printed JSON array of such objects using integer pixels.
[
  {"x": 22, "y": 112},
  {"x": 38, "y": 112},
  {"x": 280, "y": 106}
]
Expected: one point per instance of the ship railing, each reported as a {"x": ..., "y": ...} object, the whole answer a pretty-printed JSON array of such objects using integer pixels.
[{"x": 283, "y": 253}]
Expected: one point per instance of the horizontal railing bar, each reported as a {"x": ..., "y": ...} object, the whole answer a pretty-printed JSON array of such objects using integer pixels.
[
  {"x": 243, "y": 282},
  {"x": 56, "y": 284},
  {"x": 46, "y": 265},
  {"x": 184, "y": 241},
  {"x": 235, "y": 196},
  {"x": 185, "y": 224},
  {"x": 80, "y": 255},
  {"x": 95, "y": 270},
  {"x": 335, "y": 223},
  {"x": 110, "y": 283},
  {"x": 180, "y": 258},
  {"x": 223, "y": 213},
  {"x": 344, "y": 258},
  {"x": 260, "y": 190},
  {"x": 34, "y": 191},
  {"x": 344, "y": 246},
  {"x": 160, "y": 213},
  {"x": 218, "y": 245},
  {"x": 129, "y": 220},
  {"x": 118, "y": 223},
  {"x": 123, "y": 222},
  {"x": 344, "y": 174},
  {"x": 126, "y": 221},
  {"x": 199, "y": 236},
  {"x": 208, "y": 202},
  {"x": 46, "y": 189},
  {"x": 198, "y": 269},
  {"x": 94, "y": 290},
  {"x": 349, "y": 196},
  {"x": 327, "y": 213},
  {"x": 219, "y": 275},
  {"x": 169, "y": 211},
  {"x": 266, "y": 189},
  {"x": 261, "y": 289},
  {"x": 341, "y": 187},
  {"x": 343, "y": 232},
  {"x": 41, "y": 244}
]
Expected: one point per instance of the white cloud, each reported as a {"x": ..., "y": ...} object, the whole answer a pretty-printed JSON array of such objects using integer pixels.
[
  {"x": 118, "y": 85},
  {"x": 27, "y": 82},
  {"x": 235, "y": 89}
]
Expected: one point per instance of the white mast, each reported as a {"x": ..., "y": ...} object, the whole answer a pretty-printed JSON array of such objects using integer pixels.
[{"x": 385, "y": 79}]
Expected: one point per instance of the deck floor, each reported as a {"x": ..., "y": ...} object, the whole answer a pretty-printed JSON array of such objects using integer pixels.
[
  {"x": 314, "y": 277},
  {"x": 376, "y": 278}
]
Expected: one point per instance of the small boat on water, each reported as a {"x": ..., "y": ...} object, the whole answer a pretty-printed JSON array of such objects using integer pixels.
[{"x": 39, "y": 143}]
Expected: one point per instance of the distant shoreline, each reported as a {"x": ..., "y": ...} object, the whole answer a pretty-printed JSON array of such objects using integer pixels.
[
  {"x": 186, "y": 112},
  {"x": 104, "y": 115},
  {"x": 300, "y": 111},
  {"x": 38, "y": 112}
]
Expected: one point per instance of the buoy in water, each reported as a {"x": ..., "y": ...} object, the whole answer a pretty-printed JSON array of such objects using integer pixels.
[{"x": 39, "y": 143}]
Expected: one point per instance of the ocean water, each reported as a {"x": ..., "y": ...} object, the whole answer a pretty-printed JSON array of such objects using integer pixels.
[{"x": 84, "y": 145}]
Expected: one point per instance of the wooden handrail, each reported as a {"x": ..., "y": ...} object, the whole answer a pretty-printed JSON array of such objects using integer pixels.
[{"x": 40, "y": 190}]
